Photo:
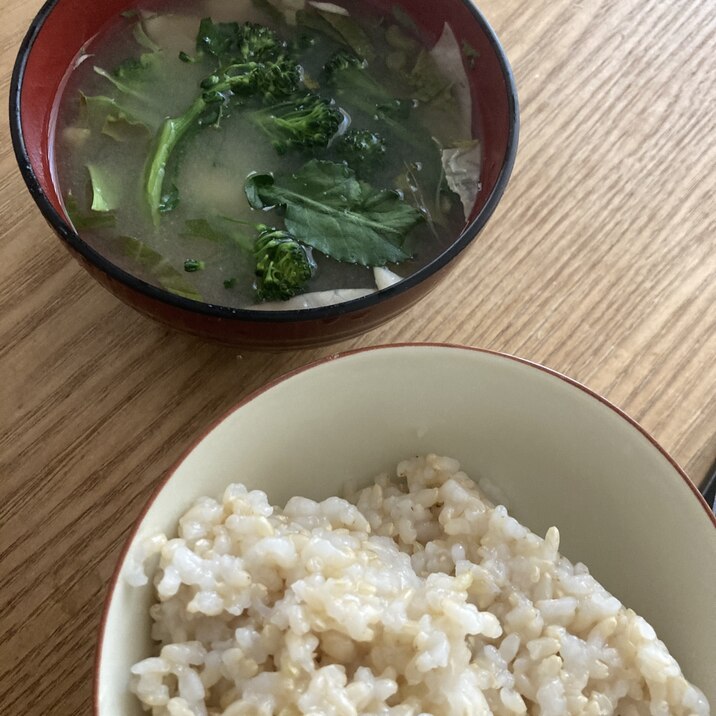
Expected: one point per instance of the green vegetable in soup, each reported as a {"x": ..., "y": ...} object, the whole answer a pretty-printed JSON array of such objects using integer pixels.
[
  {"x": 89, "y": 220},
  {"x": 328, "y": 208},
  {"x": 347, "y": 74},
  {"x": 339, "y": 27},
  {"x": 363, "y": 150},
  {"x": 192, "y": 265},
  {"x": 159, "y": 268},
  {"x": 283, "y": 265},
  {"x": 134, "y": 76},
  {"x": 350, "y": 79},
  {"x": 304, "y": 121},
  {"x": 171, "y": 133},
  {"x": 114, "y": 120},
  {"x": 231, "y": 42},
  {"x": 219, "y": 229},
  {"x": 104, "y": 189}
]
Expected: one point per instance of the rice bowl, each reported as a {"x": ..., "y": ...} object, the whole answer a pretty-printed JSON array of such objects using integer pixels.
[{"x": 550, "y": 450}]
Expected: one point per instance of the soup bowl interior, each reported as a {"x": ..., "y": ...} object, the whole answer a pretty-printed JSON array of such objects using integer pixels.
[
  {"x": 550, "y": 450},
  {"x": 64, "y": 27}
]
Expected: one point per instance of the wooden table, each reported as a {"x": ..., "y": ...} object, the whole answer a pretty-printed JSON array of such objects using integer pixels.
[{"x": 600, "y": 262}]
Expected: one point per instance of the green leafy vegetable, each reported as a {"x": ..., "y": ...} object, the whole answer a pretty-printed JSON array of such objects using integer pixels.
[
  {"x": 335, "y": 207},
  {"x": 123, "y": 130},
  {"x": 328, "y": 208},
  {"x": 422, "y": 187},
  {"x": 115, "y": 120},
  {"x": 106, "y": 112},
  {"x": 134, "y": 76},
  {"x": 349, "y": 77},
  {"x": 104, "y": 191},
  {"x": 203, "y": 229},
  {"x": 343, "y": 28},
  {"x": 363, "y": 150},
  {"x": 170, "y": 134},
  {"x": 159, "y": 268},
  {"x": 219, "y": 229},
  {"x": 218, "y": 38},
  {"x": 90, "y": 221},
  {"x": 137, "y": 69}
]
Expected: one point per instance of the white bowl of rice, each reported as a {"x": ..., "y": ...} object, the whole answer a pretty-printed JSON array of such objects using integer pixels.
[{"x": 404, "y": 531}]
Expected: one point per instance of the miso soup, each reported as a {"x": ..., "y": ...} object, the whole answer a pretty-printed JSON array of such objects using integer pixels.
[{"x": 256, "y": 154}]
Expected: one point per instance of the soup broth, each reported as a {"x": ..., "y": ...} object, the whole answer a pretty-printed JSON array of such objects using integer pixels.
[{"x": 179, "y": 180}]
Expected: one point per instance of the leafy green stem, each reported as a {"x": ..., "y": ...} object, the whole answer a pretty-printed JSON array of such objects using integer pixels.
[
  {"x": 170, "y": 134},
  {"x": 120, "y": 85},
  {"x": 358, "y": 219}
]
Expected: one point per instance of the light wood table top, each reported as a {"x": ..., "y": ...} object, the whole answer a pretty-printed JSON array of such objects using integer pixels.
[{"x": 600, "y": 262}]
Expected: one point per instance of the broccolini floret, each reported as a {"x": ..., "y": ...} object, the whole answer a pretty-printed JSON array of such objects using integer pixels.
[
  {"x": 279, "y": 79},
  {"x": 230, "y": 41},
  {"x": 259, "y": 43},
  {"x": 343, "y": 60},
  {"x": 304, "y": 121},
  {"x": 283, "y": 265},
  {"x": 251, "y": 56}
]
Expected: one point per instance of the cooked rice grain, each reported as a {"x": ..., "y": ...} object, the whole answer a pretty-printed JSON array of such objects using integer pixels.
[{"x": 414, "y": 598}]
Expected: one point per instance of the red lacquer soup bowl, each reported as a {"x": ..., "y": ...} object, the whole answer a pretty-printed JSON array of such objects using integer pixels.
[{"x": 58, "y": 34}]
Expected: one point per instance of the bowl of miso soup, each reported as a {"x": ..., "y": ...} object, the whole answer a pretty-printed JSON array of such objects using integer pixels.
[{"x": 266, "y": 173}]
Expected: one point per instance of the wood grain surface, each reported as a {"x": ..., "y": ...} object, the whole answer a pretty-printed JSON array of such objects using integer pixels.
[{"x": 600, "y": 262}]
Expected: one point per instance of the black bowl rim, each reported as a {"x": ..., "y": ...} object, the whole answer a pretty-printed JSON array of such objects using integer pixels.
[{"x": 70, "y": 236}]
